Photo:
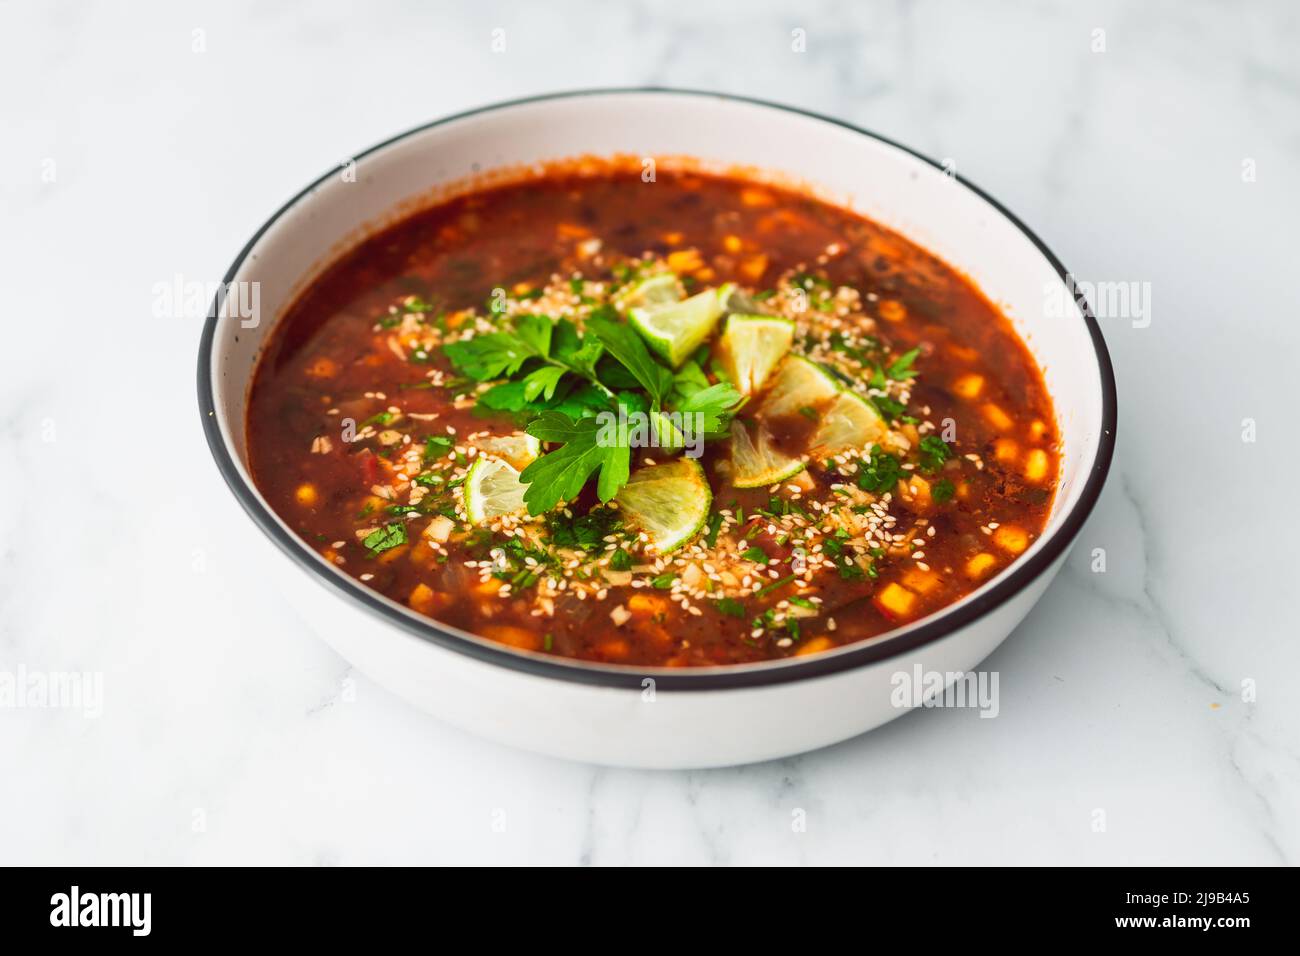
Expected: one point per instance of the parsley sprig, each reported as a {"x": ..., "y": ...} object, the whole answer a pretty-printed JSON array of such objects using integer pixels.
[{"x": 561, "y": 378}]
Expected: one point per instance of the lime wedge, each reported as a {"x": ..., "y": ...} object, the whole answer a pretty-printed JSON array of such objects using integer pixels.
[
  {"x": 798, "y": 383},
  {"x": 736, "y": 301},
  {"x": 669, "y": 502},
  {"x": 518, "y": 450},
  {"x": 755, "y": 461},
  {"x": 492, "y": 489},
  {"x": 850, "y": 423},
  {"x": 658, "y": 289},
  {"x": 673, "y": 330},
  {"x": 750, "y": 348}
]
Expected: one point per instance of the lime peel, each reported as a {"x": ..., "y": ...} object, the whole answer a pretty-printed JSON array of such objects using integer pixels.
[
  {"x": 669, "y": 502},
  {"x": 756, "y": 462},
  {"x": 492, "y": 489}
]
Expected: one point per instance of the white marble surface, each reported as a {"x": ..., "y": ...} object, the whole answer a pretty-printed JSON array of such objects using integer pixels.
[{"x": 225, "y": 734}]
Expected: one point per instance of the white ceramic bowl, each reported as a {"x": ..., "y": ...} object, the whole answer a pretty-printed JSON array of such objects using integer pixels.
[{"x": 653, "y": 717}]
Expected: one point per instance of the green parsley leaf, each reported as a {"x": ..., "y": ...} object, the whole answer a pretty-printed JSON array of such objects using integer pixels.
[
  {"x": 386, "y": 538},
  {"x": 880, "y": 473},
  {"x": 436, "y": 446},
  {"x": 711, "y": 529},
  {"x": 890, "y": 408},
  {"x": 934, "y": 452},
  {"x": 732, "y": 607},
  {"x": 716, "y": 404},
  {"x": 542, "y": 382},
  {"x": 774, "y": 585},
  {"x": 586, "y": 446},
  {"x": 901, "y": 368},
  {"x": 942, "y": 491},
  {"x": 489, "y": 356},
  {"x": 624, "y": 344}
]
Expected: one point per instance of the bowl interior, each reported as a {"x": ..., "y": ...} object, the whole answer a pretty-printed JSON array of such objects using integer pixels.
[{"x": 881, "y": 181}]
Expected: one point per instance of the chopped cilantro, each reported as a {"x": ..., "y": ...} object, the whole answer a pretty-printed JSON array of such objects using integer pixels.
[
  {"x": 934, "y": 452},
  {"x": 880, "y": 473},
  {"x": 386, "y": 538},
  {"x": 731, "y": 607}
]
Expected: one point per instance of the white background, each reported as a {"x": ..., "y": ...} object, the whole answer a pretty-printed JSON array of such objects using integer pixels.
[{"x": 226, "y": 734}]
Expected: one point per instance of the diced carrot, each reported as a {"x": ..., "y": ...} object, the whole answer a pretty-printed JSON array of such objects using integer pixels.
[
  {"x": 1010, "y": 538},
  {"x": 513, "y": 636},
  {"x": 672, "y": 238},
  {"x": 978, "y": 565},
  {"x": 425, "y": 599},
  {"x": 1005, "y": 450},
  {"x": 323, "y": 367},
  {"x": 647, "y": 604},
  {"x": 614, "y": 648},
  {"x": 306, "y": 495},
  {"x": 751, "y": 196},
  {"x": 895, "y": 600},
  {"x": 488, "y": 588},
  {"x": 392, "y": 554},
  {"x": 571, "y": 230},
  {"x": 814, "y": 645},
  {"x": 891, "y": 310},
  {"x": 922, "y": 582},
  {"x": 732, "y": 244}
]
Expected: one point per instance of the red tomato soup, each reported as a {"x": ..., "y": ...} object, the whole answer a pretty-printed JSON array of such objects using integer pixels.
[{"x": 691, "y": 422}]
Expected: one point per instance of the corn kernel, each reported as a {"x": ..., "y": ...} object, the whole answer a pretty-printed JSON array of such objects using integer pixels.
[
  {"x": 969, "y": 386},
  {"x": 306, "y": 495},
  {"x": 997, "y": 417},
  {"x": 1005, "y": 450},
  {"x": 684, "y": 260},
  {"x": 732, "y": 244},
  {"x": 1038, "y": 428},
  {"x": 1036, "y": 465},
  {"x": 753, "y": 267}
]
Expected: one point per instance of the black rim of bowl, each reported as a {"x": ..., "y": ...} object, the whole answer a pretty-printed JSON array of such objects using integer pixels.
[{"x": 734, "y": 676}]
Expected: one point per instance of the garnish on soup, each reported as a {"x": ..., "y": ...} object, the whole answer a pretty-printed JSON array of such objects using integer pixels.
[{"x": 696, "y": 421}]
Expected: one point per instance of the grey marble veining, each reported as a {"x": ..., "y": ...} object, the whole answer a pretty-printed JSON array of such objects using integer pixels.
[{"x": 1162, "y": 693}]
